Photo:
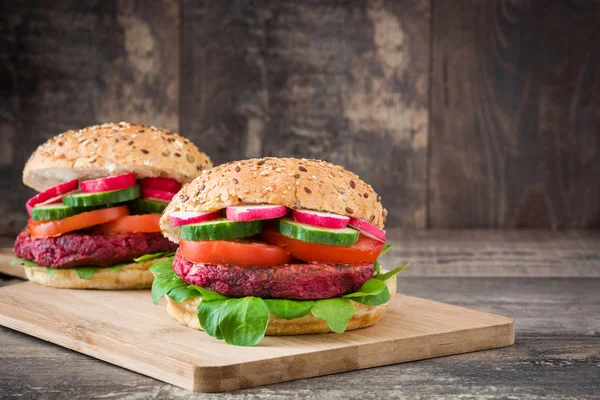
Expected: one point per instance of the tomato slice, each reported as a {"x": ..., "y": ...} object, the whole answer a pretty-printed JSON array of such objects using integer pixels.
[
  {"x": 234, "y": 252},
  {"x": 131, "y": 223},
  {"x": 364, "y": 250},
  {"x": 44, "y": 229}
]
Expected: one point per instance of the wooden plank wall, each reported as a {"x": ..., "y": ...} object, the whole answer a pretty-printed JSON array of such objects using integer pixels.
[{"x": 467, "y": 113}]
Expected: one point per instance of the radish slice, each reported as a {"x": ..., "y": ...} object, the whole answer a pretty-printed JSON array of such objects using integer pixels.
[
  {"x": 159, "y": 195},
  {"x": 179, "y": 218},
  {"x": 164, "y": 184},
  {"x": 117, "y": 182},
  {"x": 367, "y": 229},
  {"x": 320, "y": 219},
  {"x": 255, "y": 212},
  {"x": 52, "y": 195}
]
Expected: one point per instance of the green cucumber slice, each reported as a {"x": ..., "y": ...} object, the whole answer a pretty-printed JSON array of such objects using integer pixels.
[
  {"x": 52, "y": 212},
  {"x": 314, "y": 234},
  {"x": 102, "y": 198},
  {"x": 144, "y": 206},
  {"x": 220, "y": 229}
]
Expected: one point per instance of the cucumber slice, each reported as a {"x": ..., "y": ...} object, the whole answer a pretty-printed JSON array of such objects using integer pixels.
[
  {"x": 102, "y": 198},
  {"x": 313, "y": 234},
  {"x": 145, "y": 206},
  {"x": 54, "y": 211},
  {"x": 220, "y": 229}
]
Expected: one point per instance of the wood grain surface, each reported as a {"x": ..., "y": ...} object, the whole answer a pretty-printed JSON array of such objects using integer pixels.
[
  {"x": 555, "y": 355},
  {"x": 344, "y": 81},
  {"x": 515, "y": 114},
  {"x": 126, "y": 329},
  {"x": 67, "y": 65}
]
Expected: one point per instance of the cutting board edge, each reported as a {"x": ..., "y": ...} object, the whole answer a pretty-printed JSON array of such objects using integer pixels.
[
  {"x": 100, "y": 353},
  {"x": 209, "y": 379}
]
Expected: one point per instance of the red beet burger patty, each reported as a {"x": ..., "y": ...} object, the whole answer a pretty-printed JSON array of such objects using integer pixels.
[
  {"x": 289, "y": 281},
  {"x": 79, "y": 249}
]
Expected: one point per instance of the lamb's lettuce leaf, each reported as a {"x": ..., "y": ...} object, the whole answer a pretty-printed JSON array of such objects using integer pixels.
[
  {"x": 243, "y": 321},
  {"x": 88, "y": 272}
]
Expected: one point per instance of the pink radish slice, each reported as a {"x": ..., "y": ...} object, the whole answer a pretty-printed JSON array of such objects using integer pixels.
[
  {"x": 52, "y": 195},
  {"x": 367, "y": 229},
  {"x": 164, "y": 184},
  {"x": 320, "y": 219},
  {"x": 116, "y": 182},
  {"x": 159, "y": 195},
  {"x": 255, "y": 212},
  {"x": 179, "y": 218}
]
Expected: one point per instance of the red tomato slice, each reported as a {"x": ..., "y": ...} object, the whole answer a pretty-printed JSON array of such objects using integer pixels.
[
  {"x": 44, "y": 229},
  {"x": 131, "y": 223},
  {"x": 364, "y": 250},
  {"x": 234, "y": 252}
]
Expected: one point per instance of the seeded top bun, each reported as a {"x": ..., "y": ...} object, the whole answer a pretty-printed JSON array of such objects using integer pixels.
[
  {"x": 111, "y": 149},
  {"x": 295, "y": 183}
]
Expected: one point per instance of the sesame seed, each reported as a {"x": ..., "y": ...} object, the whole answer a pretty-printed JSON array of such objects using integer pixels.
[
  {"x": 183, "y": 198},
  {"x": 130, "y": 142},
  {"x": 60, "y": 144},
  {"x": 177, "y": 154},
  {"x": 296, "y": 176},
  {"x": 261, "y": 162},
  {"x": 307, "y": 190},
  {"x": 379, "y": 199},
  {"x": 203, "y": 186},
  {"x": 141, "y": 131},
  {"x": 352, "y": 184},
  {"x": 190, "y": 157},
  {"x": 372, "y": 218},
  {"x": 198, "y": 168},
  {"x": 235, "y": 181},
  {"x": 166, "y": 152},
  {"x": 144, "y": 151},
  {"x": 301, "y": 168},
  {"x": 366, "y": 195},
  {"x": 349, "y": 210},
  {"x": 237, "y": 168}
]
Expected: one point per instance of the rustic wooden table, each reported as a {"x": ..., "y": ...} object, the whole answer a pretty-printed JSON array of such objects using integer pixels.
[{"x": 549, "y": 282}]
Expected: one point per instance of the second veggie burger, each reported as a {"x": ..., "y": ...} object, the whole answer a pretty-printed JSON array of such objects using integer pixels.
[
  {"x": 95, "y": 222},
  {"x": 275, "y": 246}
]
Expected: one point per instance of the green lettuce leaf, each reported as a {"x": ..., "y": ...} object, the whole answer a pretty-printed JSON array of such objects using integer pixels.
[
  {"x": 370, "y": 288},
  {"x": 335, "y": 312},
  {"x": 374, "y": 300},
  {"x": 85, "y": 272},
  {"x": 241, "y": 322},
  {"x": 182, "y": 293},
  {"x": 51, "y": 271},
  {"x": 208, "y": 295},
  {"x": 24, "y": 262},
  {"x": 289, "y": 309},
  {"x": 148, "y": 257},
  {"x": 388, "y": 275}
]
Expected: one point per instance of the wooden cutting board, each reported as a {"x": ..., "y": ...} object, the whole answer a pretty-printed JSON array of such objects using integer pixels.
[
  {"x": 125, "y": 328},
  {"x": 6, "y": 257}
]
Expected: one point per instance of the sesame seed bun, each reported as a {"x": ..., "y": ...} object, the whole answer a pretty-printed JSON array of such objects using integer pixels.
[
  {"x": 186, "y": 313},
  {"x": 295, "y": 183},
  {"x": 131, "y": 276},
  {"x": 111, "y": 149}
]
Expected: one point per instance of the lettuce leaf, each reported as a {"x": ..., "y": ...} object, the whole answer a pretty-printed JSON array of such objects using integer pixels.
[
  {"x": 88, "y": 272},
  {"x": 243, "y": 321}
]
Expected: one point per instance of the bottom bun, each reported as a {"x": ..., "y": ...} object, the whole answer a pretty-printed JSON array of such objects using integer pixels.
[
  {"x": 131, "y": 276},
  {"x": 185, "y": 313}
]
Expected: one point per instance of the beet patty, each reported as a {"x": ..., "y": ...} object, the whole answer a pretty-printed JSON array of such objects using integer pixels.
[
  {"x": 288, "y": 281},
  {"x": 84, "y": 249}
]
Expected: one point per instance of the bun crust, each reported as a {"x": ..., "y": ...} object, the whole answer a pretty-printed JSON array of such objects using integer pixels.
[
  {"x": 131, "y": 276},
  {"x": 111, "y": 149},
  {"x": 295, "y": 183},
  {"x": 185, "y": 313}
]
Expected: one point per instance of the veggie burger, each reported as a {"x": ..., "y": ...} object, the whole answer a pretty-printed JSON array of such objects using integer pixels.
[
  {"x": 95, "y": 222},
  {"x": 275, "y": 246}
]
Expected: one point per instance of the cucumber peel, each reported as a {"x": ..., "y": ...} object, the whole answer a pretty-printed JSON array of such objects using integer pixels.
[
  {"x": 220, "y": 229},
  {"x": 102, "y": 198},
  {"x": 314, "y": 234}
]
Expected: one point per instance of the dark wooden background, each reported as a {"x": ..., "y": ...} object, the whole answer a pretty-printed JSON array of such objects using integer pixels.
[{"x": 470, "y": 113}]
